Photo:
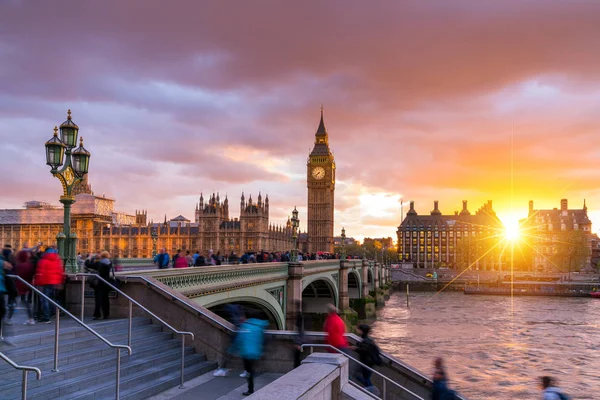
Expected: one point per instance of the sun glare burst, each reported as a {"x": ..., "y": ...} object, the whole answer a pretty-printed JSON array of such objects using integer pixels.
[{"x": 512, "y": 230}]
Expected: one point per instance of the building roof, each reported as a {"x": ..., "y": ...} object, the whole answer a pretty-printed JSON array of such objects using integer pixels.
[
  {"x": 554, "y": 219},
  {"x": 484, "y": 217}
]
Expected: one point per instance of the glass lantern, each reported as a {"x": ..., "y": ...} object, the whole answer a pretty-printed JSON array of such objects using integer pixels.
[
  {"x": 55, "y": 150},
  {"x": 69, "y": 131},
  {"x": 80, "y": 159}
]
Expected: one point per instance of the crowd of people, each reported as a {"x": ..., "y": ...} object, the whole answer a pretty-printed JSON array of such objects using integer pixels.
[
  {"x": 39, "y": 268},
  {"x": 184, "y": 259}
]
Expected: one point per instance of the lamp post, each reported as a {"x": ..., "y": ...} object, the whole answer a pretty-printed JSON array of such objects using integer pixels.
[
  {"x": 75, "y": 164},
  {"x": 343, "y": 252},
  {"x": 295, "y": 225},
  {"x": 154, "y": 236}
]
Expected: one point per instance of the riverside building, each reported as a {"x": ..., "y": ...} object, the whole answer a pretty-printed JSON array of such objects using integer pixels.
[
  {"x": 100, "y": 227},
  {"x": 454, "y": 241}
]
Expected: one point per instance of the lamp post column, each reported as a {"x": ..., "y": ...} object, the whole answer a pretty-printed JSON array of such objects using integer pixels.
[{"x": 70, "y": 240}]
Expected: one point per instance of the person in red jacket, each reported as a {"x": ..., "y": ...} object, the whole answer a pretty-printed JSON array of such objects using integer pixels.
[
  {"x": 181, "y": 261},
  {"x": 49, "y": 274},
  {"x": 335, "y": 328}
]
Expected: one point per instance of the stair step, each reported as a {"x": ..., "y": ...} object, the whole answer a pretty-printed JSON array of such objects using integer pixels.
[
  {"x": 69, "y": 329},
  {"x": 170, "y": 348},
  {"x": 24, "y": 354},
  {"x": 86, "y": 379},
  {"x": 87, "y": 366},
  {"x": 145, "y": 380}
]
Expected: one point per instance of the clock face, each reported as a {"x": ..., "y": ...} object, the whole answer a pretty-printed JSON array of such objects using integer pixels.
[{"x": 318, "y": 173}]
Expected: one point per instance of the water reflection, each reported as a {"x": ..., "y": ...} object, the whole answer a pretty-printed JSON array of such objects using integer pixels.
[{"x": 497, "y": 347}]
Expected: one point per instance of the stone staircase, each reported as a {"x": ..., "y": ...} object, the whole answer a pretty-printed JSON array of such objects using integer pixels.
[{"x": 87, "y": 366}]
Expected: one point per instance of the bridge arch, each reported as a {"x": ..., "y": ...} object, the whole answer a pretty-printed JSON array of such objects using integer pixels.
[
  {"x": 317, "y": 292},
  {"x": 269, "y": 309},
  {"x": 370, "y": 279},
  {"x": 354, "y": 284}
]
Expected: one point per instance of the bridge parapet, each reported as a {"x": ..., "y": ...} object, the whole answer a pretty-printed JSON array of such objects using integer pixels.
[{"x": 201, "y": 281}]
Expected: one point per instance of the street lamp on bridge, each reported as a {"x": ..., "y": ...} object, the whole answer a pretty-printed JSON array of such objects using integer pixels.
[
  {"x": 75, "y": 164},
  {"x": 154, "y": 236},
  {"x": 295, "y": 225},
  {"x": 343, "y": 252}
]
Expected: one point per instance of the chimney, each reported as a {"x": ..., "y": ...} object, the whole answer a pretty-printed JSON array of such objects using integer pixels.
[
  {"x": 411, "y": 210},
  {"x": 564, "y": 205},
  {"x": 436, "y": 210},
  {"x": 464, "y": 205},
  {"x": 530, "y": 207}
]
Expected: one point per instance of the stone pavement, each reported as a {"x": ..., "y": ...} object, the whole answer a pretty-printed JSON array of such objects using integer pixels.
[{"x": 208, "y": 387}]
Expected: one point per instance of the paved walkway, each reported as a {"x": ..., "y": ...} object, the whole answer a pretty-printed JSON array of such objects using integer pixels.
[{"x": 208, "y": 387}]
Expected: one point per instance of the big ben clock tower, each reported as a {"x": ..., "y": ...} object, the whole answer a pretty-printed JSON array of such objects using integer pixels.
[{"x": 320, "y": 176}]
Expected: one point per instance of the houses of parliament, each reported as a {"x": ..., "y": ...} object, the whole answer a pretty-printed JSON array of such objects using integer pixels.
[{"x": 99, "y": 226}]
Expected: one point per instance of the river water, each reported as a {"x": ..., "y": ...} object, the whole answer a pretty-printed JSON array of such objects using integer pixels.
[{"x": 496, "y": 347}]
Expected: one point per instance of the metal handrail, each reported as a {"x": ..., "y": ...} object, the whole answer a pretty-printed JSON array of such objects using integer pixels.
[
  {"x": 131, "y": 302},
  {"x": 385, "y": 378},
  {"x": 57, "y": 329},
  {"x": 154, "y": 285},
  {"x": 25, "y": 369}
]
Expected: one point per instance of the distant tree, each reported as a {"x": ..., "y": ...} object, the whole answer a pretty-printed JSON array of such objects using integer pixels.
[{"x": 570, "y": 251}]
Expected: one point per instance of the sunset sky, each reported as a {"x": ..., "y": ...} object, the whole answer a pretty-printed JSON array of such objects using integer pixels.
[{"x": 424, "y": 100}]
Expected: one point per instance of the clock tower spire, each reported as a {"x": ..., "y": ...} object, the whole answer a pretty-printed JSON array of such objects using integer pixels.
[{"x": 321, "y": 189}]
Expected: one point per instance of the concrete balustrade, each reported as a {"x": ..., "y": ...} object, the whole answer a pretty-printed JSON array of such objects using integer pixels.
[{"x": 321, "y": 376}]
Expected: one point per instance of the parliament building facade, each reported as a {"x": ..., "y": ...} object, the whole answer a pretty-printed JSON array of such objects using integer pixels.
[{"x": 100, "y": 227}]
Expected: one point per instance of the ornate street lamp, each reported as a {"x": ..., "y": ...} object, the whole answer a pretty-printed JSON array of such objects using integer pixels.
[
  {"x": 154, "y": 236},
  {"x": 295, "y": 225},
  {"x": 75, "y": 165},
  {"x": 343, "y": 252}
]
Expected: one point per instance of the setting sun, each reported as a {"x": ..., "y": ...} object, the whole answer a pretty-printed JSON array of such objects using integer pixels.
[{"x": 512, "y": 230}]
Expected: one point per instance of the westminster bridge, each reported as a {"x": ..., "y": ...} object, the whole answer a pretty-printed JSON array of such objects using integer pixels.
[{"x": 275, "y": 288}]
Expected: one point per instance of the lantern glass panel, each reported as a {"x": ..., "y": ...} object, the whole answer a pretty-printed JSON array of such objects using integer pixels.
[
  {"x": 68, "y": 136},
  {"x": 54, "y": 154},
  {"x": 81, "y": 162}
]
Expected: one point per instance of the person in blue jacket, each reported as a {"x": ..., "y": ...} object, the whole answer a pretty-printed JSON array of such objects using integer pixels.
[{"x": 250, "y": 342}]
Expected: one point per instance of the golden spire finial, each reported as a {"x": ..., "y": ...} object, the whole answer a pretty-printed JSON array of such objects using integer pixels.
[
  {"x": 81, "y": 141},
  {"x": 321, "y": 110},
  {"x": 56, "y": 131},
  {"x": 69, "y": 114}
]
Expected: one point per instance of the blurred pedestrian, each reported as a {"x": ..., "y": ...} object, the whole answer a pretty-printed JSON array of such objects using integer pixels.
[
  {"x": 11, "y": 288},
  {"x": 49, "y": 274},
  {"x": 251, "y": 341},
  {"x": 299, "y": 338},
  {"x": 335, "y": 329},
  {"x": 440, "y": 382},
  {"x": 25, "y": 268},
  {"x": 5, "y": 268},
  {"x": 181, "y": 261},
  {"x": 236, "y": 317},
  {"x": 102, "y": 267},
  {"x": 550, "y": 391},
  {"x": 162, "y": 259},
  {"x": 368, "y": 354}
]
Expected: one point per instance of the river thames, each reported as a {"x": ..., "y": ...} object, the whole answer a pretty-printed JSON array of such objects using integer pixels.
[{"x": 494, "y": 346}]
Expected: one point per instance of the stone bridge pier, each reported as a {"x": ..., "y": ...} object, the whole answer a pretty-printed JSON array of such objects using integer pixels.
[{"x": 278, "y": 291}]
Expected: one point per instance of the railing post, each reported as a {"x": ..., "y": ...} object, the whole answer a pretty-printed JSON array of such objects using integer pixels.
[
  {"x": 130, "y": 322},
  {"x": 384, "y": 390},
  {"x": 118, "y": 373},
  {"x": 24, "y": 385},
  {"x": 181, "y": 385},
  {"x": 56, "y": 334},
  {"x": 82, "y": 296}
]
